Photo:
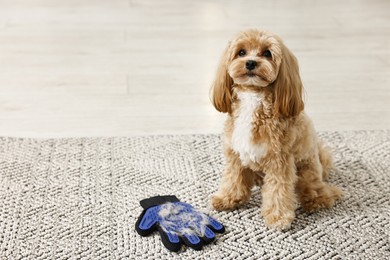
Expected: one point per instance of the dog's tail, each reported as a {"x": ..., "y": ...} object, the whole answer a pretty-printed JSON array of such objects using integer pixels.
[{"x": 326, "y": 159}]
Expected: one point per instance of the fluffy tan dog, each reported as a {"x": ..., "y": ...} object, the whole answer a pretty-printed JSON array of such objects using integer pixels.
[{"x": 269, "y": 140}]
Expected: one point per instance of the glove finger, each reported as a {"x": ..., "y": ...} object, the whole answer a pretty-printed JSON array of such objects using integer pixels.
[
  {"x": 192, "y": 241},
  {"x": 215, "y": 225},
  {"x": 146, "y": 222},
  {"x": 170, "y": 240},
  {"x": 203, "y": 232},
  {"x": 208, "y": 236}
]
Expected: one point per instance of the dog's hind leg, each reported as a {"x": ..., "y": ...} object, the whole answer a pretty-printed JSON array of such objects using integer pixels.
[
  {"x": 326, "y": 159},
  {"x": 313, "y": 192}
]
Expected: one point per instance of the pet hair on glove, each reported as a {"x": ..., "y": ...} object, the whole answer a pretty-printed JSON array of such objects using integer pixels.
[{"x": 177, "y": 223}]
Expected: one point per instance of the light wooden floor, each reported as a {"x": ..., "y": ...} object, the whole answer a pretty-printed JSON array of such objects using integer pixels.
[{"x": 123, "y": 67}]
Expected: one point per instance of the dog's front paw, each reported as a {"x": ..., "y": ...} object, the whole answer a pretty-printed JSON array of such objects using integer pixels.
[
  {"x": 279, "y": 221},
  {"x": 223, "y": 203},
  {"x": 326, "y": 199}
]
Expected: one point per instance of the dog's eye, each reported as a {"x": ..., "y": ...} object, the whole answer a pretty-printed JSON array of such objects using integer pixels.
[
  {"x": 267, "y": 54},
  {"x": 242, "y": 53}
]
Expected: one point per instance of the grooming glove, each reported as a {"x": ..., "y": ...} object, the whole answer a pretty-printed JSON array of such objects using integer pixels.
[{"x": 177, "y": 222}]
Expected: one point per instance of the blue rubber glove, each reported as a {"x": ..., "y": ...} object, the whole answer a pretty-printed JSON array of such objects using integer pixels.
[{"x": 177, "y": 223}]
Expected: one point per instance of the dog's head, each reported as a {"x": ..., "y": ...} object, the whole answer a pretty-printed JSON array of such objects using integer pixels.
[{"x": 258, "y": 59}]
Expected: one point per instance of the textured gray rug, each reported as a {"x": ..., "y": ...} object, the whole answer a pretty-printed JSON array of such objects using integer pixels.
[{"x": 78, "y": 198}]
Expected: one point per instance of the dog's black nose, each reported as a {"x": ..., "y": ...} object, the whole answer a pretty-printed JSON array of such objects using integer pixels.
[{"x": 250, "y": 64}]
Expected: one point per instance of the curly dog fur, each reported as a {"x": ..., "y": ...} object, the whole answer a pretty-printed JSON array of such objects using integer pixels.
[{"x": 268, "y": 140}]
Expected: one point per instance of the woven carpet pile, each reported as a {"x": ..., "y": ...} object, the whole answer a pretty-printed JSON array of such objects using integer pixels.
[{"x": 79, "y": 198}]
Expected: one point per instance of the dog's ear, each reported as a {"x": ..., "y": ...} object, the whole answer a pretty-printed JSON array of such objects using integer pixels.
[
  {"x": 288, "y": 86},
  {"x": 221, "y": 90}
]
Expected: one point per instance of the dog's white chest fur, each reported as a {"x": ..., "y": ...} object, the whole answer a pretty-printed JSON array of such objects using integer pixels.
[{"x": 242, "y": 138}]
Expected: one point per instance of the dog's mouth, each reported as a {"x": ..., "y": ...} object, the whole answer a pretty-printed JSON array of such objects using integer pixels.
[{"x": 251, "y": 74}]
